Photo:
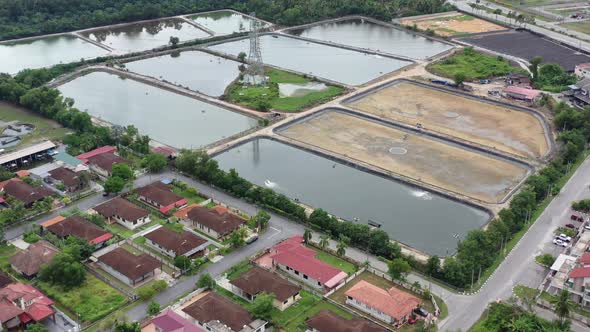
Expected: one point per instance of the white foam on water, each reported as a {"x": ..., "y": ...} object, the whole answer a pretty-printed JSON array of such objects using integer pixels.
[
  {"x": 423, "y": 195},
  {"x": 270, "y": 184}
]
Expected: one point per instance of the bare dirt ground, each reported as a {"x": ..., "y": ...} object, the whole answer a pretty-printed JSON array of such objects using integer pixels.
[
  {"x": 500, "y": 128},
  {"x": 418, "y": 157},
  {"x": 454, "y": 24}
]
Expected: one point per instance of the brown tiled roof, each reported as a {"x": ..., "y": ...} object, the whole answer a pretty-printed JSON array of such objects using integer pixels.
[
  {"x": 179, "y": 242},
  {"x": 4, "y": 280},
  {"x": 222, "y": 222},
  {"x": 130, "y": 265},
  {"x": 24, "y": 192},
  {"x": 29, "y": 261},
  {"x": 78, "y": 227},
  {"x": 122, "y": 208},
  {"x": 159, "y": 193},
  {"x": 107, "y": 160},
  {"x": 214, "y": 307},
  {"x": 68, "y": 177},
  {"x": 327, "y": 321},
  {"x": 258, "y": 280}
]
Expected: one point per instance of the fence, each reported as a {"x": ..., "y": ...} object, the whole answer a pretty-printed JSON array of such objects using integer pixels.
[
  {"x": 352, "y": 276},
  {"x": 177, "y": 272},
  {"x": 111, "y": 283}
]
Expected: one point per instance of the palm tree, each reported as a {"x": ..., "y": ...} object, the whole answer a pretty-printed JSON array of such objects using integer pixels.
[
  {"x": 562, "y": 306},
  {"x": 324, "y": 241},
  {"x": 307, "y": 235},
  {"x": 342, "y": 245}
]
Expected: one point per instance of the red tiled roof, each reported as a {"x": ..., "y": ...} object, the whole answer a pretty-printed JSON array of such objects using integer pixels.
[
  {"x": 170, "y": 321},
  {"x": 580, "y": 272},
  {"x": 22, "y": 173},
  {"x": 583, "y": 65},
  {"x": 79, "y": 227},
  {"x": 106, "y": 161},
  {"x": 160, "y": 193},
  {"x": 292, "y": 254},
  {"x": 8, "y": 310},
  {"x": 213, "y": 306},
  {"x": 165, "y": 151},
  {"x": 527, "y": 93},
  {"x": 104, "y": 149},
  {"x": 38, "y": 310},
  {"x": 393, "y": 302},
  {"x": 585, "y": 259}
]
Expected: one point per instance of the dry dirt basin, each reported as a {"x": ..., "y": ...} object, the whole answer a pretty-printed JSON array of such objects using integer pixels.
[
  {"x": 493, "y": 126},
  {"x": 419, "y": 157},
  {"x": 453, "y": 24}
]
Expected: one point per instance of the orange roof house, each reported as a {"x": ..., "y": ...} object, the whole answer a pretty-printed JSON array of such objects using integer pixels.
[{"x": 390, "y": 306}]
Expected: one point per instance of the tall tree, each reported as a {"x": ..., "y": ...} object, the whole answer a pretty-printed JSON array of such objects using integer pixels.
[
  {"x": 562, "y": 306},
  {"x": 534, "y": 67}
]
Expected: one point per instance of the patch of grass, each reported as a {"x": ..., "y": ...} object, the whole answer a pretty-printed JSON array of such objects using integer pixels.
[
  {"x": 460, "y": 18},
  {"x": 522, "y": 291},
  {"x": 268, "y": 97},
  {"x": 282, "y": 319},
  {"x": 238, "y": 269},
  {"x": 91, "y": 301},
  {"x": 297, "y": 324},
  {"x": 335, "y": 261},
  {"x": 5, "y": 253},
  {"x": 44, "y": 128},
  {"x": 583, "y": 27},
  {"x": 190, "y": 194},
  {"x": 474, "y": 65}
]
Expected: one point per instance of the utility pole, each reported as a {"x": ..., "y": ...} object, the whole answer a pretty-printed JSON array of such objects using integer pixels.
[{"x": 255, "y": 71}]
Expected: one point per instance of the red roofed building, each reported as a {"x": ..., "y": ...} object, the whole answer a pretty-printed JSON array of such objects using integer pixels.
[
  {"x": 160, "y": 196},
  {"x": 582, "y": 70},
  {"x": 22, "y": 304},
  {"x": 391, "y": 306},
  {"x": 101, "y": 160},
  {"x": 104, "y": 149},
  {"x": 170, "y": 321},
  {"x": 292, "y": 257},
  {"x": 520, "y": 93}
]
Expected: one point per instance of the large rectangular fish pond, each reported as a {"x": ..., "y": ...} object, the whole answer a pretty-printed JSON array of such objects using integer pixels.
[
  {"x": 423, "y": 220},
  {"x": 333, "y": 63},
  {"x": 167, "y": 117},
  {"x": 369, "y": 35},
  {"x": 45, "y": 52},
  {"x": 146, "y": 35},
  {"x": 225, "y": 22}
]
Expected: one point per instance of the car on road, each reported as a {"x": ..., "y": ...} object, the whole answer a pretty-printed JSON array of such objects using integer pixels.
[
  {"x": 560, "y": 243},
  {"x": 564, "y": 237},
  {"x": 570, "y": 226}
]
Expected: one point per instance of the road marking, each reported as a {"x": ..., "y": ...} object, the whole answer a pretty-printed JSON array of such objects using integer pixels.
[{"x": 278, "y": 231}]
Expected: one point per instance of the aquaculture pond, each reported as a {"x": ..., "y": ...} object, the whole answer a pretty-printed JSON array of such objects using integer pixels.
[
  {"x": 333, "y": 63},
  {"x": 225, "y": 22},
  {"x": 167, "y": 117},
  {"x": 421, "y": 219}
]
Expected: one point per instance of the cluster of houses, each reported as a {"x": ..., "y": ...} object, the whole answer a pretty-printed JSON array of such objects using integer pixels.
[{"x": 284, "y": 271}]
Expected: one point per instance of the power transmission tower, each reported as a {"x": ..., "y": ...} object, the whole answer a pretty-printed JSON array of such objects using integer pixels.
[{"x": 255, "y": 71}]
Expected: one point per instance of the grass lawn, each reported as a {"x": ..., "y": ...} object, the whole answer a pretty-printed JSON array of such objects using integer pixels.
[
  {"x": 190, "y": 196},
  {"x": 126, "y": 233},
  {"x": 238, "y": 269},
  {"x": 473, "y": 65},
  {"x": 295, "y": 317},
  {"x": 91, "y": 301},
  {"x": 335, "y": 261},
  {"x": 5, "y": 253},
  {"x": 583, "y": 27},
  {"x": 254, "y": 97},
  {"x": 44, "y": 128}
]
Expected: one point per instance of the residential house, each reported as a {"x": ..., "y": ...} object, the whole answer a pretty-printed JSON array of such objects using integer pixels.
[
  {"x": 78, "y": 227},
  {"x": 21, "y": 305},
  {"x": 69, "y": 179},
  {"x": 160, "y": 196},
  {"x": 129, "y": 268},
  {"x": 522, "y": 94},
  {"x": 258, "y": 280},
  {"x": 218, "y": 314},
  {"x": 391, "y": 306},
  {"x": 572, "y": 274},
  {"x": 582, "y": 70},
  {"x": 169, "y": 321},
  {"x": 300, "y": 263},
  {"x": 217, "y": 222},
  {"x": 101, "y": 160},
  {"x": 29, "y": 262},
  {"x": 123, "y": 212},
  {"x": 580, "y": 93},
  {"x": 24, "y": 192},
  {"x": 519, "y": 79},
  {"x": 327, "y": 321},
  {"x": 166, "y": 151},
  {"x": 173, "y": 243}
]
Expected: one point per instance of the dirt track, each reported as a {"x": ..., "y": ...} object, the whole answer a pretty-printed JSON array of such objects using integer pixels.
[
  {"x": 418, "y": 157},
  {"x": 502, "y": 128}
]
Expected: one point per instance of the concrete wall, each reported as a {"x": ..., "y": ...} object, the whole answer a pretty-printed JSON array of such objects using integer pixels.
[
  {"x": 129, "y": 224},
  {"x": 277, "y": 304},
  {"x": 150, "y": 202},
  {"x": 370, "y": 310},
  {"x": 101, "y": 172},
  {"x": 123, "y": 278},
  {"x": 159, "y": 248},
  {"x": 300, "y": 277},
  {"x": 206, "y": 230}
]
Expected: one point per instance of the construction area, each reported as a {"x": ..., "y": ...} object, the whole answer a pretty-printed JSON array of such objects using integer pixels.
[
  {"x": 451, "y": 24},
  {"x": 493, "y": 126},
  {"x": 413, "y": 156}
]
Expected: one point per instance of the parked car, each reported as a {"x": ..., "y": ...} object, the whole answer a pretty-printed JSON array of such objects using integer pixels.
[
  {"x": 560, "y": 243},
  {"x": 484, "y": 81},
  {"x": 564, "y": 237},
  {"x": 576, "y": 218},
  {"x": 587, "y": 226},
  {"x": 570, "y": 226},
  {"x": 421, "y": 312}
]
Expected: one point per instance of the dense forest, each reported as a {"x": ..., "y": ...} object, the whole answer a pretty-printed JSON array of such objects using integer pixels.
[{"x": 22, "y": 18}]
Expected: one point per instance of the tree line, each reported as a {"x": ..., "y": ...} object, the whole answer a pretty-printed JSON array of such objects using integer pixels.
[{"x": 23, "y": 18}]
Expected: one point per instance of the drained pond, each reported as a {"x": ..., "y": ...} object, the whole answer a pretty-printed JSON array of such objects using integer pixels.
[
  {"x": 167, "y": 117},
  {"x": 209, "y": 74},
  {"x": 421, "y": 219},
  {"x": 333, "y": 63},
  {"x": 45, "y": 52},
  {"x": 377, "y": 37},
  {"x": 225, "y": 22},
  {"x": 146, "y": 35}
]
